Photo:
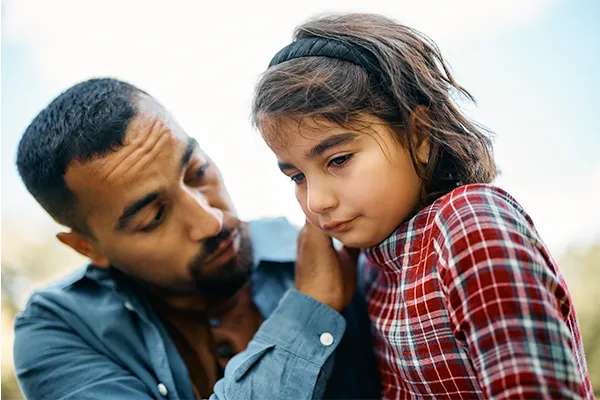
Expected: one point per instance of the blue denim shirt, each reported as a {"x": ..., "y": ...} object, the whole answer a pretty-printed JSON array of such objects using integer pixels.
[{"x": 94, "y": 336}]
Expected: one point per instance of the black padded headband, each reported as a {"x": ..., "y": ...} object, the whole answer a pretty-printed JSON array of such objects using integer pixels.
[
  {"x": 333, "y": 48},
  {"x": 324, "y": 47}
]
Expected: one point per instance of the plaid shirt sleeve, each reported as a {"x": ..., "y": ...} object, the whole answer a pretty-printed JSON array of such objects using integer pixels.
[{"x": 507, "y": 301}]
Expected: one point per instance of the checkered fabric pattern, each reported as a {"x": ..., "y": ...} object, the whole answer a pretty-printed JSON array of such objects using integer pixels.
[{"x": 467, "y": 303}]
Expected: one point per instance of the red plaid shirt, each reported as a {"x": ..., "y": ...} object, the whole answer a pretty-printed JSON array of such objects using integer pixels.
[{"x": 468, "y": 303}]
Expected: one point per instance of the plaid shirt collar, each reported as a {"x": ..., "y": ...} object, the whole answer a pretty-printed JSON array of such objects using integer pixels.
[{"x": 408, "y": 234}]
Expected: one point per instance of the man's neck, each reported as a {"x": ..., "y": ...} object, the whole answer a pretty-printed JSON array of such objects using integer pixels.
[{"x": 193, "y": 303}]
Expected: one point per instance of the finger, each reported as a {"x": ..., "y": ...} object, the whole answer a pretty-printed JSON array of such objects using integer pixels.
[
  {"x": 316, "y": 235},
  {"x": 312, "y": 229}
]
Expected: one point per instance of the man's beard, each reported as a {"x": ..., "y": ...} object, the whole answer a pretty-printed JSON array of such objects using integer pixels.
[{"x": 230, "y": 276}]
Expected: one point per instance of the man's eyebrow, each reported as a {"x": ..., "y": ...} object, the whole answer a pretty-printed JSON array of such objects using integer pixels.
[
  {"x": 330, "y": 142},
  {"x": 191, "y": 146},
  {"x": 133, "y": 208}
]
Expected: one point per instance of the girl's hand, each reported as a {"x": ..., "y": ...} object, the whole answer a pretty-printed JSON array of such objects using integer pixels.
[{"x": 322, "y": 272}]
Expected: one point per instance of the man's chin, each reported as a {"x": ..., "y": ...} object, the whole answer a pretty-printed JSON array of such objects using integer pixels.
[
  {"x": 220, "y": 289},
  {"x": 223, "y": 280},
  {"x": 230, "y": 277},
  {"x": 164, "y": 289}
]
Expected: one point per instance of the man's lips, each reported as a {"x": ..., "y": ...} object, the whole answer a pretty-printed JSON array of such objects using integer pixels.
[
  {"x": 226, "y": 249},
  {"x": 337, "y": 226}
]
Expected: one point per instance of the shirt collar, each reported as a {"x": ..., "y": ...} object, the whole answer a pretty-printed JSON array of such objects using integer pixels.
[
  {"x": 408, "y": 237},
  {"x": 273, "y": 240}
]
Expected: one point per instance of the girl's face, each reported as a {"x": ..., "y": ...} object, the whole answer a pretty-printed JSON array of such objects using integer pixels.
[{"x": 358, "y": 186}]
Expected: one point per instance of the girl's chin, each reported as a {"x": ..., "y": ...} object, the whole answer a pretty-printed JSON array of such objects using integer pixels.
[{"x": 349, "y": 241}]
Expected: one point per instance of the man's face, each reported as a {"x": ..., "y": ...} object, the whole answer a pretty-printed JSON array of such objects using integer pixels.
[{"x": 158, "y": 210}]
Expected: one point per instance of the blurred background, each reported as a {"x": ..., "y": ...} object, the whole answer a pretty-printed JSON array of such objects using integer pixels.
[{"x": 531, "y": 64}]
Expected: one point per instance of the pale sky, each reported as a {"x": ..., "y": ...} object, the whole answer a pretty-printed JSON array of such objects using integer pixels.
[{"x": 532, "y": 65}]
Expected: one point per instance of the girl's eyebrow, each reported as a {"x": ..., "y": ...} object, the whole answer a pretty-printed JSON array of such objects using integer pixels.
[
  {"x": 331, "y": 142},
  {"x": 283, "y": 166}
]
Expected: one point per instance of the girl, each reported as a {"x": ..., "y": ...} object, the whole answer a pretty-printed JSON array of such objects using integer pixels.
[{"x": 465, "y": 298}]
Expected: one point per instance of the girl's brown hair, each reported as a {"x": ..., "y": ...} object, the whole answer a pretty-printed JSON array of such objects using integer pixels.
[{"x": 417, "y": 78}]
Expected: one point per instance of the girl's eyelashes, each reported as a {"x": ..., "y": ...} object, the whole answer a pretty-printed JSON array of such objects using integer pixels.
[
  {"x": 336, "y": 162},
  {"x": 297, "y": 178},
  {"x": 340, "y": 162}
]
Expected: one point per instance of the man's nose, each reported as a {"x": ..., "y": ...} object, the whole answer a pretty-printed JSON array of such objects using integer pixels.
[
  {"x": 320, "y": 197},
  {"x": 202, "y": 220}
]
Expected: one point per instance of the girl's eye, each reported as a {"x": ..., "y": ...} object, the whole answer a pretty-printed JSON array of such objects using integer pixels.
[
  {"x": 298, "y": 178},
  {"x": 158, "y": 217},
  {"x": 340, "y": 161}
]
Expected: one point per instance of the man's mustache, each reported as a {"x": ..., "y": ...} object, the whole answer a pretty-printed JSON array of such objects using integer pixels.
[{"x": 212, "y": 243}]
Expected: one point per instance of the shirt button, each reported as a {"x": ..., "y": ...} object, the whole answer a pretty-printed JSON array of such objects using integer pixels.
[
  {"x": 162, "y": 389},
  {"x": 225, "y": 350},
  {"x": 129, "y": 306},
  {"x": 326, "y": 339}
]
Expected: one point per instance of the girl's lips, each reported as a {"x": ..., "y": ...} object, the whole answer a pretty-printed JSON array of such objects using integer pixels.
[{"x": 337, "y": 226}]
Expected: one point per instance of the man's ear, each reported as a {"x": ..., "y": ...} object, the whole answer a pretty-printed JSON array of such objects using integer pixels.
[
  {"x": 84, "y": 246},
  {"x": 420, "y": 131}
]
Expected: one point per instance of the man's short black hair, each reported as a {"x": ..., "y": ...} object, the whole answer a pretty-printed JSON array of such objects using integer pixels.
[{"x": 86, "y": 121}]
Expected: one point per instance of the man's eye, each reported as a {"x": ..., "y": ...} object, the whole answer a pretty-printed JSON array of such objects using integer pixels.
[
  {"x": 340, "y": 161},
  {"x": 298, "y": 178},
  {"x": 197, "y": 175},
  {"x": 158, "y": 217},
  {"x": 201, "y": 171}
]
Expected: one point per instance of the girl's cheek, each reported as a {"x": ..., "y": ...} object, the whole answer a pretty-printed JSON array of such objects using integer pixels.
[
  {"x": 312, "y": 218},
  {"x": 301, "y": 198}
]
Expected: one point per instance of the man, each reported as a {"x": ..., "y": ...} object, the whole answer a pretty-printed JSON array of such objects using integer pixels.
[{"x": 177, "y": 285}]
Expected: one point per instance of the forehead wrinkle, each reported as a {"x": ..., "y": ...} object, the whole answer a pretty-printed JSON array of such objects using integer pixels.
[
  {"x": 136, "y": 149},
  {"x": 138, "y": 125},
  {"x": 145, "y": 125},
  {"x": 148, "y": 157}
]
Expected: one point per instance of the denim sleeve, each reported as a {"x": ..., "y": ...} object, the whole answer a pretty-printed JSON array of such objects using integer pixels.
[
  {"x": 290, "y": 356},
  {"x": 287, "y": 359},
  {"x": 53, "y": 362}
]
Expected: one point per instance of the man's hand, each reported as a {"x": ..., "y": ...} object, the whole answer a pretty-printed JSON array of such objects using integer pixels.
[{"x": 327, "y": 275}]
